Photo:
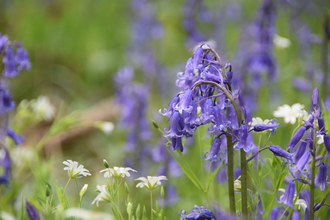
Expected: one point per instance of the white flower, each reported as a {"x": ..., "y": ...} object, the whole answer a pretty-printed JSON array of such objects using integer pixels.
[
  {"x": 320, "y": 139},
  {"x": 87, "y": 214},
  {"x": 237, "y": 185},
  {"x": 43, "y": 108},
  {"x": 6, "y": 216},
  {"x": 104, "y": 195},
  {"x": 75, "y": 171},
  {"x": 300, "y": 203},
  {"x": 117, "y": 172},
  {"x": 289, "y": 113},
  {"x": 258, "y": 121},
  {"x": 105, "y": 127},
  {"x": 151, "y": 183},
  {"x": 281, "y": 42}
]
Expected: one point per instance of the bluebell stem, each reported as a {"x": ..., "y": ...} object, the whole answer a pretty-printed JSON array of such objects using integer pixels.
[
  {"x": 198, "y": 213},
  {"x": 278, "y": 151},
  {"x": 321, "y": 177},
  {"x": 288, "y": 196},
  {"x": 31, "y": 211},
  {"x": 5, "y": 163}
]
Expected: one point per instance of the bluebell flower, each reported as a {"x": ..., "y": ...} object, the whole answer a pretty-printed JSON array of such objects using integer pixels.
[
  {"x": 3, "y": 41},
  {"x": 5, "y": 163},
  {"x": 297, "y": 136},
  {"x": 18, "y": 139},
  {"x": 289, "y": 194},
  {"x": 300, "y": 151},
  {"x": 177, "y": 143},
  {"x": 300, "y": 165},
  {"x": 263, "y": 127},
  {"x": 321, "y": 177},
  {"x": 9, "y": 63},
  {"x": 22, "y": 59},
  {"x": 326, "y": 140},
  {"x": 278, "y": 151},
  {"x": 215, "y": 148},
  {"x": 176, "y": 125},
  {"x": 242, "y": 135},
  {"x": 295, "y": 215},
  {"x": 315, "y": 98},
  {"x": 275, "y": 213},
  {"x": 6, "y": 102},
  {"x": 31, "y": 211},
  {"x": 198, "y": 213},
  {"x": 171, "y": 107},
  {"x": 320, "y": 122}
]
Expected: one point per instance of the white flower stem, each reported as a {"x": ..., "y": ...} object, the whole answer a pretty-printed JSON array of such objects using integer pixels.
[{"x": 152, "y": 216}]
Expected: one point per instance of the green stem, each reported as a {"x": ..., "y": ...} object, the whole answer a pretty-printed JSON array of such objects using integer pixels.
[
  {"x": 244, "y": 184},
  {"x": 312, "y": 186},
  {"x": 67, "y": 183},
  {"x": 230, "y": 158},
  {"x": 152, "y": 216}
]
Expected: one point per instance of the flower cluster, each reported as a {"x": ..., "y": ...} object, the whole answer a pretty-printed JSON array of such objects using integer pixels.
[
  {"x": 208, "y": 98},
  {"x": 199, "y": 213}
]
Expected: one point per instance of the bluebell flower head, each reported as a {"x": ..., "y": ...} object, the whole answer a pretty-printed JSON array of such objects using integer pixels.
[
  {"x": 3, "y": 41},
  {"x": 213, "y": 155},
  {"x": 22, "y": 59},
  {"x": 297, "y": 136},
  {"x": 198, "y": 213},
  {"x": 320, "y": 122},
  {"x": 300, "y": 151},
  {"x": 243, "y": 136},
  {"x": 177, "y": 143},
  {"x": 315, "y": 98},
  {"x": 302, "y": 162},
  {"x": 31, "y": 211},
  {"x": 263, "y": 127},
  {"x": 321, "y": 177},
  {"x": 18, "y": 139},
  {"x": 275, "y": 214},
  {"x": 289, "y": 194},
  {"x": 176, "y": 125},
  {"x": 9, "y": 63},
  {"x": 278, "y": 151},
  {"x": 5, "y": 163}
]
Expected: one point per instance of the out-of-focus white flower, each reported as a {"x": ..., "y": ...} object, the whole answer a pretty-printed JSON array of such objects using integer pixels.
[
  {"x": 105, "y": 127},
  {"x": 237, "y": 185},
  {"x": 289, "y": 113},
  {"x": 151, "y": 182},
  {"x": 281, "y": 42},
  {"x": 22, "y": 155},
  {"x": 258, "y": 121},
  {"x": 320, "y": 139},
  {"x": 304, "y": 115},
  {"x": 87, "y": 214},
  {"x": 300, "y": 203},
  {"x": 83, "y": 190},
  {"x": 103, "y": 196},
  {"x": 117, "y": 172},
  {"x": 6, "y": 216},
  {"x": 75, "y": 171},
  {"x": 43, "y": 108}
]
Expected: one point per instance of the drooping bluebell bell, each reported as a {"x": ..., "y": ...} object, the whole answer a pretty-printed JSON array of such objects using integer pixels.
[
  {"x": 301, "y": 162},
  {"x": 263, "y": 127},
  {"x": 31, "y": 211},
  {"x": 198, "y": 213},
  {"x": 297, "y": 136},
  {"x": 22, "y": 59},
  {"x": 289, "y": 194},
  {"x": 300, "y": 151},
  {"x": 321, "y": 177},
  {"x": 295, "y": 215},
  {"x": 275, "y": 214},
  {"x": 214, "y": 150},
  {"x": 278, "y": 151},
  {"x": 18, "y": 139}
]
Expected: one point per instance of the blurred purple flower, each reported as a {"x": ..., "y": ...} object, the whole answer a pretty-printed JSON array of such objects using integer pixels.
[
  {"x": 198, "y": 213},
  {"x": 5, "y": 163},
  {"x": 31, "y": 211}
]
